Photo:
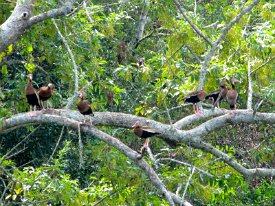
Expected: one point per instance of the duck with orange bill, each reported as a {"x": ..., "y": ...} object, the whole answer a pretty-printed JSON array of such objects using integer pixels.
[
  {"x": 232, "y": 94},
  {"x": 45, "y": 94},
  {"x": 218, "y": 95},
  {"x": 144, "y": 132},
  {"x": 195, "y": 97},
  {"x": 31, "y": 95},
  {"x": 84, "y": 107}
]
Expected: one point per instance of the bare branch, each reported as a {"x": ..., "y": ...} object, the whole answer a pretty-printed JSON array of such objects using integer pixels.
[
  {"x": 93, "y": 131},
  {"x": 249, "y": 82},
  {"x": 208, "y": 57},
  {"x": 71, "y": 119},
  {"x": 142, "y": 22},
  {"x": 71, "y": 56},
  {"x": 185, "y": 164},
  {"x": 234, "y": 164},
  {"x": 22, "y": 19},
  {"x": 245, "y": 10},
  {"x": 186, "y": 186},
  {"x": 76, "y": 95},
  {"x": 197, "y": 30},
  {"x": 57, "y": 144},
  {"x": 52, "y": 13},
  {"x": 262, "y": 65}
]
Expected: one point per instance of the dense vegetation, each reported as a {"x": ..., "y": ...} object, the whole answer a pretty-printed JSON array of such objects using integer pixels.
[{"x": 140, "y": 58}]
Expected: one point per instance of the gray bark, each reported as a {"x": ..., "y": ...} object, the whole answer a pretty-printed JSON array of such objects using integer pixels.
[
  {"x": 22, "y": 18},
  {"x": 191, "y": 137}
]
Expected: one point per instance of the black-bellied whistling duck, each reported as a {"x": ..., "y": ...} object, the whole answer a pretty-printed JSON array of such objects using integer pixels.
[
  {"x": 84, "y": 107},
  {"x": 195, "y": 97},
  {"x": 45, "y": 93},
  {"x": 144, "y": 132},
  {"x": 232, "y": 94},
  {"x": 32, "y": 97},
  {"x": 218, "y": 94}
]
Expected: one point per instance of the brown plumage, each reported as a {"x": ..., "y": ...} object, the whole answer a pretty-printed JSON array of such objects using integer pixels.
[
  {"x": 195, "y": 97},
  {"x": 31, "y": 95},
  {"x": 45, "y": 93},
  {"x": 217, "y": 95},
  {"x": 232, "y": 94},
  {"x": 144, "y": 132},
  {"x": 84, "y": 107}
]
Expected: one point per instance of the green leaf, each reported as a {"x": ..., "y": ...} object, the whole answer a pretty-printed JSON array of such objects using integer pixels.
[{"x": 5, "y": 70}]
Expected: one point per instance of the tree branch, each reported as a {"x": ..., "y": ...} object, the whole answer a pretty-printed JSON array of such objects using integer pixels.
[
  {"x": 249, "y": 82},
  {"x": 65, "y": 9},
  {"x": 71, "y": 56},
  {"x": 185, "y": 164},
  {"x": 191, "y": 137},
  {"x": 22, "y": 19},
  {"x": 208, "y": 57},
  {"x": 196, "y": 29},
  {"x": 142, "y": 22},
  {"x": 93, "y": 131}
]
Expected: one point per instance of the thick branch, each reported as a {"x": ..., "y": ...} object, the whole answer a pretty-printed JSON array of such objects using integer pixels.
[
  {"x": 233, "y": 163},
  {"x": 52, "y": 13},
  {"x": 22, "y": 19},
  {"x": 93, "y": 131},
  {"x": 70, "y": 118},
  {"x": 142, "y": 22}
]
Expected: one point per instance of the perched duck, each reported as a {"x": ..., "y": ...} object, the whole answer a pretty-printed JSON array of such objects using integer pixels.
[
  {"x": 84, "y": 107},
  {"x": 45, "y": 93},
  {"x": 195, "y": 97},
  {"x": 31, "y": 95},
  {"x": 144, "y": 132},
  {"x": 232, "y": 94},
  {"x": 217, "y": 95}
]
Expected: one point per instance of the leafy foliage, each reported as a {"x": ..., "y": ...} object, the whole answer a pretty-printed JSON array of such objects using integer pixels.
[{"x": 172, "y": 53}]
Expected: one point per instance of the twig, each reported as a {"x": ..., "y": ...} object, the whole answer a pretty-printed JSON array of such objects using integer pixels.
[
  {"x": 58, "y": 141},
  {"x": 87, "y": 13},
  {"x": 249, "y": 81},
  {"x": 75, "y": 96},
  {"x": 17, "y": 145},
  {"x": 70, "y": 53},
  {"x": 80, "y": 143},
  {"x": 257, "y": 106},
  {"x": 186, "y": 186},
  {"x": 185, "y": 164},
  {"x": 143, "y": 38},
  {"x": 178, "y": 189},
  {"x": 262, "y": 65},
  {"x": 102, "y": 199},
  {"x": 168, "y": 114},
  {"x": 151, "y": 156}
]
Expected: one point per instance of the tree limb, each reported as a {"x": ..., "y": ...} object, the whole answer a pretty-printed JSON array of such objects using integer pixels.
[
  {"x": 208, "y": 57},
  {"x": 196, "y": 29},
  {"x": 22, "y": 19},
  {"x": 71, "y": 56},
  {"x": 249, "y": 82},
  {"x": 191, "y": 137}
]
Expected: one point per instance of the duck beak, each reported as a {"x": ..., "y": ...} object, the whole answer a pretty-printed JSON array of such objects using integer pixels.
[{"x": 134, "y": 125}]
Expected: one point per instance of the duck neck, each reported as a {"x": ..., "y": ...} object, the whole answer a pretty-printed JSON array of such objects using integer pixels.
[{"x": 233, "y": 85}]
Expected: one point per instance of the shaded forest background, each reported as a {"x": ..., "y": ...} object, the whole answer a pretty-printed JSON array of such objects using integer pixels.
[{"x": 140, "y": 58}]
